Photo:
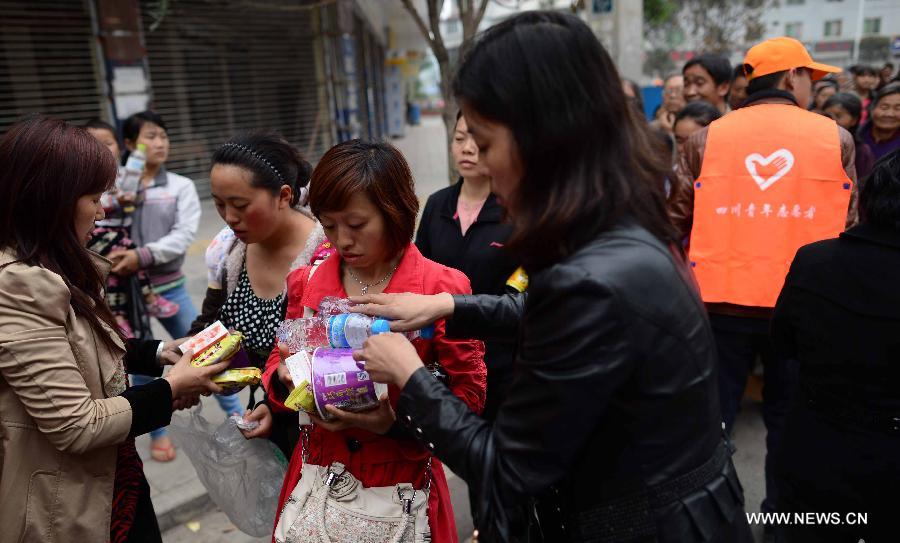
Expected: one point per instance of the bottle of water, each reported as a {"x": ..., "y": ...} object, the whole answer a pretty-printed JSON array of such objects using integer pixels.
[
  {"x": 130, "y": 181},
  {"x": 342, "y": 331}
]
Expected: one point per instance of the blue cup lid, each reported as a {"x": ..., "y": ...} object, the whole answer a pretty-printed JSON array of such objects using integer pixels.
[{"x": 380, "y": 326}]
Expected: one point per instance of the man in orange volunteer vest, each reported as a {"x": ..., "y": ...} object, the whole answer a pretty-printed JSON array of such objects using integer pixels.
[{"x": 753, "y": 187}]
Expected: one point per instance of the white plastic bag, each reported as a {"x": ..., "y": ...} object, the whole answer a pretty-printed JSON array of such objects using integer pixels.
[{"x": 243, "y": 477}]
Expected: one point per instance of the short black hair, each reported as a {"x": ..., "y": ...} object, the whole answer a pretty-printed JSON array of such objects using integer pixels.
[
  {"x": 738, "y": 72},
  {"x": 131, "y": 128},
  {"x": 700, "y": 112},
  {"x": 764, "y": 82},
  {"x": 716, "y": 65},
  {"x": 850, "y": 102},
  {"x": 100, "y": 124},
  {"x": 879, "y": 194},
  {"x": 888, "y": 65},
  {"x": 865, "y": 70}
]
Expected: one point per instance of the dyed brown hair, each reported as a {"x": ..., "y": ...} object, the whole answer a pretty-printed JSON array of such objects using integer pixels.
[
  {"x": 46, "y": 165},
  {"x": 378, "y": 170}
]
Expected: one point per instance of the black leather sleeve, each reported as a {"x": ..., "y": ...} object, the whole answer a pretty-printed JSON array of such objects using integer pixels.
[
  {"x": 151, "y": 406},
  {"x": 573, "y": 355},
  {"x": 486, "y": 316},
  {"x": 209, "y": 311},
  {"x": 140, "y": 358}
]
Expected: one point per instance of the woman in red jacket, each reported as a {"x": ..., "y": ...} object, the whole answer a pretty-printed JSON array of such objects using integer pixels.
[{"x": 363, "y": 195}]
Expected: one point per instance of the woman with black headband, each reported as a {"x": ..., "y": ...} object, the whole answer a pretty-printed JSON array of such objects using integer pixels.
[{"x": 259, "y": 186}]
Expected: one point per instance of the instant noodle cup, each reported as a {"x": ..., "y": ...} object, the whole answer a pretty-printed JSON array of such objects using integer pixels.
[{"x": 338, "y": 381}]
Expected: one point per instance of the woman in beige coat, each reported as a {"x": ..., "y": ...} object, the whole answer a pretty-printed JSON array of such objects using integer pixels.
[{"x": 68, "y": 467}]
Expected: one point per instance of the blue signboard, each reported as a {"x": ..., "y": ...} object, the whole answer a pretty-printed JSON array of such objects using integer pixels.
[
  {"x": 602, "y": 6},
  {"x": 895, "y": 46}
]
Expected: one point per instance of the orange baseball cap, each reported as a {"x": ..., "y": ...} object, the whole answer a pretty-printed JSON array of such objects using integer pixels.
[{"x": 780, "y": 54}]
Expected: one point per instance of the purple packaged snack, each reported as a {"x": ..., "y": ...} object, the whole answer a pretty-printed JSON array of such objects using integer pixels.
[
  {"x": 239, "y": 360},
  {"x": 338, "y": 381}
]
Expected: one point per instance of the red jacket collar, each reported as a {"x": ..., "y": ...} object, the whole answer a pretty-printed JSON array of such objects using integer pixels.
[{"x": 409, "y": 277}]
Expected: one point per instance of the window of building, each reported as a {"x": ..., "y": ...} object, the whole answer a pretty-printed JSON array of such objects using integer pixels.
[
  {"x": 796, "y": 2},
  {"x": 833, "y": 28},
  {"x": 872, "y": 25},
  {"x": 794, "y": 30}
]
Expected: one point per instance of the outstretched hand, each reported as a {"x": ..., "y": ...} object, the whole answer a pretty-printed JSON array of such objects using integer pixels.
[{"x": 405, "y": 311}]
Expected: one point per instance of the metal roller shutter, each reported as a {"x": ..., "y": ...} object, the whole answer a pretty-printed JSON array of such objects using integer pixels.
[
  {"x": 48, "y": 62},
  {"x": 218, "y": 68}
]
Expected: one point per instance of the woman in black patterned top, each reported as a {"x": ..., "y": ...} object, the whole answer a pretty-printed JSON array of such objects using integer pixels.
[{"x": 259, "y": 185}]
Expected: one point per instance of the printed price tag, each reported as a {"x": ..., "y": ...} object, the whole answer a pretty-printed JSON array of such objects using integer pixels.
[{"x": 335, "y": 379}]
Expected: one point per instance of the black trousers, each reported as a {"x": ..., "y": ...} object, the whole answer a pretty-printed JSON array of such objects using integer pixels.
[
  {"x": 830, "y": 466},
  {"x": 740, "y": 341}
]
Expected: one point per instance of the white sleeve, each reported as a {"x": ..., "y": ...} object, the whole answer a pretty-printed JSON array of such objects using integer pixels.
[
  {"x": 187, "y": 222},
  {"x": 216, "y": 254}
]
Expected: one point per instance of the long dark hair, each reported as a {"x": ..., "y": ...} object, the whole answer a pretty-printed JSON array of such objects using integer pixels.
[
  {"x": 46, "y": 165},
  {"x": 587, "y": 159}
]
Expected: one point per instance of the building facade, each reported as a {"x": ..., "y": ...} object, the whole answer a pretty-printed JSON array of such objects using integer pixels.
[
  {"x": 313, "y": 71},
  {"x": 840, "y": 32}
]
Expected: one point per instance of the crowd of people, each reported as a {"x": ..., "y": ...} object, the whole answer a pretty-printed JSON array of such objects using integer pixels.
[{"x": 600, "y": 285}]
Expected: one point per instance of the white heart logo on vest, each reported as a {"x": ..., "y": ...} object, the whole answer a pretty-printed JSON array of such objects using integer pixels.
[{"x": 781, "y": 159}]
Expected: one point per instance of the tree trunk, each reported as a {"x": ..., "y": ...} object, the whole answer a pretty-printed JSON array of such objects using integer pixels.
[{"x": 449, "y": 116}]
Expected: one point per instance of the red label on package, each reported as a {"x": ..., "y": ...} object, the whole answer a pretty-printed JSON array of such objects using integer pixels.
[{"x": 205, "y": 339}]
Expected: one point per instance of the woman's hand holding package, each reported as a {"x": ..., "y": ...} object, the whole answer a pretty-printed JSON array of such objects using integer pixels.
[
  {"x": 189, "y": 380},
  {"x": 377, "y": 421},
  {"x": 405, "y": 311},
  {"x": 389, "y": 358},
  {"x": 171, "y": 354},
  {"x": 284, "y": 375},
  {"x": 263, "y": 415}
]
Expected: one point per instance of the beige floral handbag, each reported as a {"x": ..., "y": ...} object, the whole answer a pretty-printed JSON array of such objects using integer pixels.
[{"x": 330, "y": 505}]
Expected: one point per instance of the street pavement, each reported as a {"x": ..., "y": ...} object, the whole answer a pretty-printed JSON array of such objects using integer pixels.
[{"x": 185, "y": 512}]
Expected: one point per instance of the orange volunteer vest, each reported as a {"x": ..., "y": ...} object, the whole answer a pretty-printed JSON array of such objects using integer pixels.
[{"x": 771, "y": 182}]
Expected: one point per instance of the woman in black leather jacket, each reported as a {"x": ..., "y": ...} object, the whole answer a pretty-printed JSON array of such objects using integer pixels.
[{"x": 611, "y": 430}]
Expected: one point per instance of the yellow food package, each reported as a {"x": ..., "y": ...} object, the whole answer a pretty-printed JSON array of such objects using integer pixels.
[
  {"x": 223, "y": 349},
  {"x": 233, "y": 380},
  {"x": 301, "y": 398}
]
